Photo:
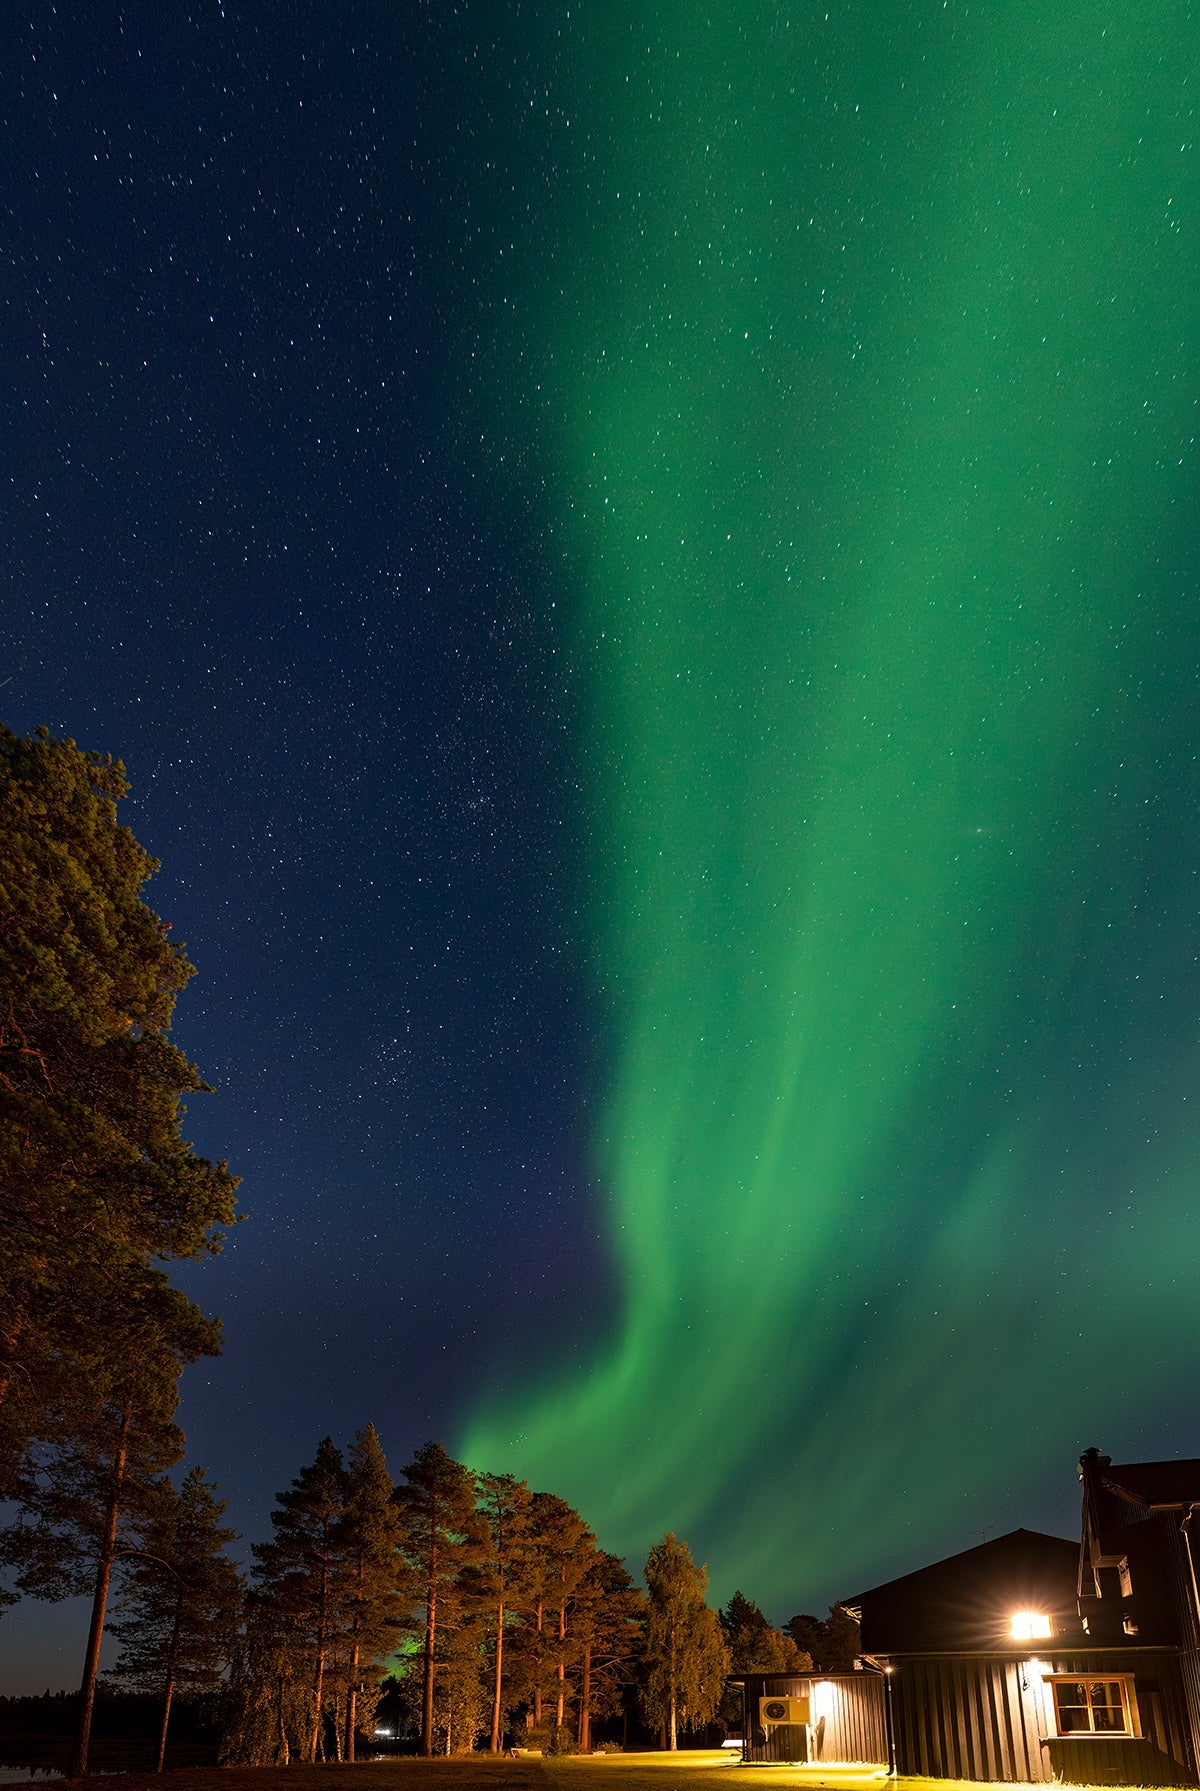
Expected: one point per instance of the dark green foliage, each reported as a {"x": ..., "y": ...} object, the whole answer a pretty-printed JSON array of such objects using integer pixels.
[
  {"x": 95, "y": 1179},
  {"x": 181, "y": 1598},
  {"x": 89, "y": 1495},
  {"x": 333, "y": 1591},
  {"x": 375, "y": 1581},
  {"x": 754, "y": 1645},
  {"x": 607, "y": 1623},
  {"x": 299, "y": 1572},
  {"x": 445, "y": 1538},
  {"x": 832, "y": 1644},
  {"x": 505, "y": 1507}
]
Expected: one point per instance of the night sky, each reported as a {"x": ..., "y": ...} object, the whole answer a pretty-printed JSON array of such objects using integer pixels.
[{"x": 644, "y": 571}]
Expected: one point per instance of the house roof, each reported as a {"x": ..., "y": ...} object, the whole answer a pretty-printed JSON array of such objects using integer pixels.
[
  {"x": 1155, "y": 1484},
  {"x": 966, "y": 1601}
]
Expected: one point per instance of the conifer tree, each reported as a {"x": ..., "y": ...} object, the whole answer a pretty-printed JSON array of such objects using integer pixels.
[
  {"x": 299, "y": 1571},
  {"x": 505, "y": 1507},
  {"x": 180, "y": 1597},
  {"x": 607, "y": 1618},
  {"x": 96, "y": 1182},
  {"x": 754, "y": 1645},
  {"x": 269, "y": 1697},
  {"x": 444, "y": 1537},
  {"x": 687, "y": 1658},
  {"x": 378, "y": 1589},
  {"x": 567, "y": 1552},
  {"x": 88, "y": 1498}
]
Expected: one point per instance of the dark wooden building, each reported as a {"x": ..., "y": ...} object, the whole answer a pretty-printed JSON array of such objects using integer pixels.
[
  {"x": 1034, "y": 1658},
  {"x": 814, "y": 1717}
]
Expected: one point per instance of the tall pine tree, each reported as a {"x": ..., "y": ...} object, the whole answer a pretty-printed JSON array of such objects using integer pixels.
[
  {"x": 180, "y": 1599},
  {"x": 378, "y": 1590},
  {"x": 88, "y": 1497},
  {"x": 505, "y": 1507},
  {"x": 299, "y": 1571},
  {"x": 96, "y": 1182},
  {"x": 436, "y": 1497}
]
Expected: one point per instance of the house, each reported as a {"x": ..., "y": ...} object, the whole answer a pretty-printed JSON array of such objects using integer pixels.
[{"x": 1028, "y": 1658}]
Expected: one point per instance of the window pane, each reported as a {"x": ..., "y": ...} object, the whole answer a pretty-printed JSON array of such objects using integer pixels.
[
  {"x": 1108, "y": 1706},
  {"x": 1071, "y": 1706}
]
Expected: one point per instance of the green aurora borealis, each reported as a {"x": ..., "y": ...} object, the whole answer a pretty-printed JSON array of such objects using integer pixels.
[{"x": 857, "y": 354}]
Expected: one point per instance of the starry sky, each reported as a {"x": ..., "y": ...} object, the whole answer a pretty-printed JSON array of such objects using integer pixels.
[{"x": 642, "y": 563}]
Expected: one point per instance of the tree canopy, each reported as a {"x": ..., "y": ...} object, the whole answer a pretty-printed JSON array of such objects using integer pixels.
[
  {"x": 96, "y": 1181},
  {"x": 687, "y": 1657}
]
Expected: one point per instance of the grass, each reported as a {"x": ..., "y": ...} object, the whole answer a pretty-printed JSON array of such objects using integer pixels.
[{"x": 685, "y": 1771}]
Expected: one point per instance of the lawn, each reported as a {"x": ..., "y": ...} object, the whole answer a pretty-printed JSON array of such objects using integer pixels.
[{"x": 685, "y": 1771}]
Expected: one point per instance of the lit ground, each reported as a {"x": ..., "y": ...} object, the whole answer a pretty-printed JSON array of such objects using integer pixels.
[{"x": 602, "y": 1772}]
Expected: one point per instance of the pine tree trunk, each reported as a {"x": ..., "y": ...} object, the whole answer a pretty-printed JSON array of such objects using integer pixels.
[
  {"x": 584, "y": 1737},
  {"x": 285, "y": 1752},
  {"x": 352, "y": 1704},
  {"x": 169, "y": 1690},
  {"x": 91, "y": 1665},
  {"x": 319, "y": 1684},
  {"x": 537, "y": 1689},
  {"x": 560, "y": 1702},
  {"x": 166, "y": 1717},
  {"x": 430, "y": 1639},
  {"x": 497, "y": 1690}
]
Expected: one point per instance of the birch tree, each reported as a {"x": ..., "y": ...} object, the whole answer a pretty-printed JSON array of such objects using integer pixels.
[{"x": 687, "y": 1658}]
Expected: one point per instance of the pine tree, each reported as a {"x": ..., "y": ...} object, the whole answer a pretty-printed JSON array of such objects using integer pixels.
[
  {"x": 88, "y": 1498},
  {"x": 832, "y": 1645},
  {"x": 437, "y": 1501},
  {"x": 299, "y": 1571},
  {"x": 180, "y": 1598},
  {"x": 378, "y": 1591},
  {"x": 568, "y": 1552},
  {"x": 505, "y": 1507},
  {"x": 607, "y": 1619},
  {"x": 687, "y": 1658},
  {"x": 96, "y": 1182},
  {"x": 756, "y": 1647},
  {"x": 269, "y": 1696}
]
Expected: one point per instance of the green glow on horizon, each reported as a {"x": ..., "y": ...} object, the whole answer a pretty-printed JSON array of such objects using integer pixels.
[{"x": 871, "y": 399}]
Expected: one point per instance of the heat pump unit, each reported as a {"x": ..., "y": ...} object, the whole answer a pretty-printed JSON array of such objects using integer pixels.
[{"x": 772, "y": 1711}]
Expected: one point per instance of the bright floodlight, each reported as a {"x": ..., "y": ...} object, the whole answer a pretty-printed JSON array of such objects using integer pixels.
[{"x": 1030, "y": 1626}]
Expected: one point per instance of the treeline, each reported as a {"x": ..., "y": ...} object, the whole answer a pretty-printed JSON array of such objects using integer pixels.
[
  {"x": 482, "y": 1613},
  {"x": 489, "y": 1610}
]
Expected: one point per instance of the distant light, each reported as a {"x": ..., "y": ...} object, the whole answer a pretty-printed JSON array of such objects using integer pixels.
[{"x": 1030, "y": 1626}]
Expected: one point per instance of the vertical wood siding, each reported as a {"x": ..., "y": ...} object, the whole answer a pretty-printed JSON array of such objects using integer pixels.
[
  {"x": 987, "y": 1718},
  {"x": 848, "y": 1719}
]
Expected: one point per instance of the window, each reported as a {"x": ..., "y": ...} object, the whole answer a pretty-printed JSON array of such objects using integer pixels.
[{"x": 1092, "y": 1707}]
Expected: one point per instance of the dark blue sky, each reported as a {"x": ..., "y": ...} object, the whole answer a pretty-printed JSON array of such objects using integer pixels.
[
  {"x": 642, "y": 566},
  {"x": 244, "y": 550}
]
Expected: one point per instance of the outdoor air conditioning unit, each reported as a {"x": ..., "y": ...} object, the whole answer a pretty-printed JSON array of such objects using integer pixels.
[{"x": 772, "y": 1711}]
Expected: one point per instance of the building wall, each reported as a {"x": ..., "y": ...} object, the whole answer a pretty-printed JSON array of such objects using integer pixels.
[
  {"x": 849, "y": 1721},
  {"x": 980, "y": 1717}
]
